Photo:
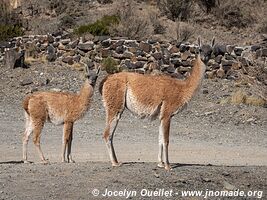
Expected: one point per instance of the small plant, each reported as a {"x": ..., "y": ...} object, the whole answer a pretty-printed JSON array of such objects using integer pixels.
[
  {"x": 100, "y": 27},
  {"x": 241, "y": 97},
  {"x": 184, "y": 31},
  {"x": 9, "y": 31},
  {"x": 67, "y": 21},
  {"x": 110, "y": 65}
]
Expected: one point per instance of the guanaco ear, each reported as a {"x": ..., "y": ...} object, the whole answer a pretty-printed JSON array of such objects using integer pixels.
[
  {"x": 213, "y": 41},
  {"x": 199, "y": 41}
]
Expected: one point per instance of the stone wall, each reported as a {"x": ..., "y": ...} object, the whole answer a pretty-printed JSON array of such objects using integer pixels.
[{"x": 143, "y": 56}]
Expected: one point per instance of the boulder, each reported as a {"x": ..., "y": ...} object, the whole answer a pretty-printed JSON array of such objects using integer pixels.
[
  {"x": 238, "y": 51},
  {"x": 157, "y": 55},
  {"x": 185, "y": 55},
  {"x": 145, "y": 46},
  {"x": 87, "y": 46},
  {"x": 14, "y": 58},
  {"x": 68, "y": 59},
  {"x": 51, "y": 53},
  {"x": 219, "y": 49}
]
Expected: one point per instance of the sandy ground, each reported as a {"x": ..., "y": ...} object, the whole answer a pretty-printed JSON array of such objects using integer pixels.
[{"x": 212, "y": 148}]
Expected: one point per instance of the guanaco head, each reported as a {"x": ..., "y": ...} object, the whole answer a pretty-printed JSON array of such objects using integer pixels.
[
  {"x": 205, "y": 50},
  {"x": 92, "y": 75}
]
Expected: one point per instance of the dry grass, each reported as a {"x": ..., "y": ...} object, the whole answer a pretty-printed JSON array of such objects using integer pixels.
[
  {"x": 241, "y": 97},
  {"x": 29, "y": 60},
  {"x": 133, "y": 24}
]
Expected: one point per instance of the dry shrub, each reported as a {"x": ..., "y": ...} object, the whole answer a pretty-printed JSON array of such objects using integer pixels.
[
  {"x": 174, "y": 9},
  {"x": 238, "y": 97},
  {"x": 133, "y": 23},
  {"x": 184, "y": 31},
  {"x": 241, "y": 97},
  {"x": 29, "y": 60},
  {"x": 263, "y": 26},
  {"x": 158, "y": 26},
  {"x": 207, "y": 5},
  {"x": 233, "y": 14}
]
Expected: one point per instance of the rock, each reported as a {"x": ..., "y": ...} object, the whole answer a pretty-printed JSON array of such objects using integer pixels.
[
  {"x": 51, "y": 54},
  {"x": 220, "y": 73},
  {"x": 80, "y": 52},
  {"x": 131, "y": 43},
  {"x": 255, "y": 47},
  {"x": 27, "y": 81},
  {"x": 238, "y": 51},
  {"x": 219, "y": 49},
  {"x": 77, "y": 58},
  {"x": 236, "y": 65},
  {"x": 228, "y": 57},
  {"x": 205, "y": 91},
  {"x": 87, "y": 46},
  {"x": 244, "y": 62},
  {"x": 132, "y": 50},
  {"x": 157, "y": 55},
  {"x": 185, "y": 55},
  {"x": 120, "y": 49},
  {"x": 61, "y": 46},
  {"x": 139, "y": 64},
  {"x": 211, "y": 74},
  {"x": 74, "y": 44},
  {"x": 101, "y": 38},
  {"x": 193, "y": 49},
  {"x": 228, "y": 186},
  {"x": 215, "y": 65},
  {"x": 50, "y": 38},
  {"x": 105, "y": 53},
  {"x": 170, "y": 69},
  {"x": 173, "y": 49},
  {"x": 145, "y": 47},
  {"x": 68, "y": 59},
  {"x": 186, "y": 63},
  {"x": 218, "y": 59},
  {"x": 14, "y": 58},
  {"x": 140, "y": 58},
  {"x": 106, "y": 43},
  {"x": 229, "y": 49},
  {"x": 127, "y": 55},
  {"x": 264, "y": 52},
  {"x": 65, "y": 41},
  {"x": 128, "y": 64},
  {"x": 184, "y": 48}
]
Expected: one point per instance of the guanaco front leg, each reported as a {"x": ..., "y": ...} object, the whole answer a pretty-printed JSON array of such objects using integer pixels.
[
  {"x": 66, "y": 140},
  {"x": 38, "y": 126},
  {"x": 69, "y": 157}
]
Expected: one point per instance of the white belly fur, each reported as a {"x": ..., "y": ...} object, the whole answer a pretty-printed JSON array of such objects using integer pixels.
[{"x": 137, "y": 107}]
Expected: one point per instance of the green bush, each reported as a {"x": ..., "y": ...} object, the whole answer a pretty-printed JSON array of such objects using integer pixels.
[
  {"x": 100, "y": 27},
  {"x": 110, "y": 65},
  {"x": 9, "y": 31}
]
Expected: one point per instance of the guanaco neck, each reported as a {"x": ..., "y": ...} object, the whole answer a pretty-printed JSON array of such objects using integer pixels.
[
  {"x": 85, "y": 94},
  {"x": 193, "y": 82}
]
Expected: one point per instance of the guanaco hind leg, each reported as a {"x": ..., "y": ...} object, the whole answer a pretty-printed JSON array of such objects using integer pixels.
[{"x": 164, "y": 131}]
